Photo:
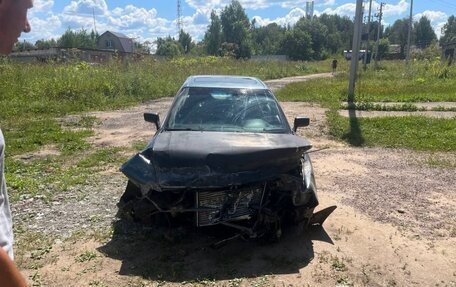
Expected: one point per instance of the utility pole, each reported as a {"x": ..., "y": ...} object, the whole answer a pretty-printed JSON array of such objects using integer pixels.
[
  {"x": 355, "y": 49},
  {"x": 94, "y": 20},
  {"x": 379, "y": 15},
  {"x": 368, "y": 32},
  {"x": 409, "y": 32}
]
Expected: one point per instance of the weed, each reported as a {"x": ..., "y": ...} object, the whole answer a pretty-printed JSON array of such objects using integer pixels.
[
  {"x": 452, "y": 232},
  {"x": 324, "y": 257},
  {"x": 390, "y": 84},
  {"x": 31, "y": 245},
  {"x": 368, "y": 106},
  {"x": 414, "y": 132},
  {"x": 86, "y": 256},
  {"x": 260, "y": 282},
  {"x": 236, "y": 282},
  {"x": 344, "y": 281},
  {"x": 338, "y": 264},
  {"x": 36, "y": 280},
  {"x": 40, "y": 252},
  {"x": 97, "y": 283},
  {"x": 139, "y": 145},
  {"x": 444, "y": 109}
]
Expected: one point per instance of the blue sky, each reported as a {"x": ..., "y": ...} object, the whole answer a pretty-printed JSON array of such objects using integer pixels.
[{"x": 146, "y": 20}]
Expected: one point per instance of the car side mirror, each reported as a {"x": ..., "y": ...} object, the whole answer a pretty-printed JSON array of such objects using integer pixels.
[
  {"x": 300, "y": 122},
  {"x": 152, "y": 118}
]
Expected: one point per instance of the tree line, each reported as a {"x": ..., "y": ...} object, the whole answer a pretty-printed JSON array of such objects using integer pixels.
[{"x": 232, "y": 34}]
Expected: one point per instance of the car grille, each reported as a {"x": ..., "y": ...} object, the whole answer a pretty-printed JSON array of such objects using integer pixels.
[{"x": 227, "y": 205}]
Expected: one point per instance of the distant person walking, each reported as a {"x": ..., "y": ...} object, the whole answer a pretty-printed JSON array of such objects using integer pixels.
[
  {"x": 334, "y": 66},
  {"x": 13, "y": 21}
]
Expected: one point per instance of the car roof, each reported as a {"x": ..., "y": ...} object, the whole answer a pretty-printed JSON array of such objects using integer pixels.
[{"x": 239, "y": 82}]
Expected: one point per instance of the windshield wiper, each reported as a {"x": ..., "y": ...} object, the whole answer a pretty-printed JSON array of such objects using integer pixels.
[
  {"x": 180, "y": 129},
  {"x": 273, "y": 130}
]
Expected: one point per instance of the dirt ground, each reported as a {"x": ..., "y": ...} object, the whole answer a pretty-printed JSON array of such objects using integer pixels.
[{"x": 395, "y": 224}]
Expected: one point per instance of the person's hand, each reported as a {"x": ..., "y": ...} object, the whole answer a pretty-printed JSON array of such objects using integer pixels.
[{"x": 9, "y": 274}]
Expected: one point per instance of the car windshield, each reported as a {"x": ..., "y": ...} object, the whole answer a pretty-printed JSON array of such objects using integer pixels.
[{"x": 227, "y": 110}]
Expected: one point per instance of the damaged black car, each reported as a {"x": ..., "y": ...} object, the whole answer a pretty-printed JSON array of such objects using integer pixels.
[{"x": 224, "y": 155}]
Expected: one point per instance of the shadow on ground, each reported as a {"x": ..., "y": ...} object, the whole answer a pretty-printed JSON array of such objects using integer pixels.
[
  {"x": 190, "y": 258},
  {"x": 354, "y": 136}
]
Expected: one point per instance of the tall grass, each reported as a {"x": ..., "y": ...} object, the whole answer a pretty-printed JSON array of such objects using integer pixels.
[
  {"x": 63, "y": 88},
  {"x": 33, "y": 95},
  {"x": 422, "y": 81}
]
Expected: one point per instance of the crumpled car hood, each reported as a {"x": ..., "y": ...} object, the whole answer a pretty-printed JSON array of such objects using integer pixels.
[{"x": 192, "y": 159}]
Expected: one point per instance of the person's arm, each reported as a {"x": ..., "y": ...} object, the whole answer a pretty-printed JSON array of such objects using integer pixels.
[{"x": 9, "y": 274}]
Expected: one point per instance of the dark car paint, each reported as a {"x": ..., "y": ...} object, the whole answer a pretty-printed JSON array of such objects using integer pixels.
[{"x": 192, "y": 159}]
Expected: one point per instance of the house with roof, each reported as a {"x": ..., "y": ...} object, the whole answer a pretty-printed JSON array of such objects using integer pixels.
[{"x": 116, "y": 42}]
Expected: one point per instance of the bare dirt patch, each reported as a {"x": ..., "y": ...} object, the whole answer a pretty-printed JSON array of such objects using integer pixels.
[
  {"x": 46, "y": 151},
  {"x": 275, "y": 85},
  {"x": 395, "y": 224}
]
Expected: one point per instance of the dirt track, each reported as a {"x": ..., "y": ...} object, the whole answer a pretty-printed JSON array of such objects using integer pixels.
[{"x": 395, "y": 224}]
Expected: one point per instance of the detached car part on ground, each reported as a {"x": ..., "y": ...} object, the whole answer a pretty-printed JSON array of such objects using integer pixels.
[{"x": 225, "y": 155}]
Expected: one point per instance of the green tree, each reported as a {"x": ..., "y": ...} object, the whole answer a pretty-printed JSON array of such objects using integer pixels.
[
  {"x": 236, "y": 29},
  {"x": 298, "y": 45},
  {"x": 267, "y": 40},
  {"x": 23, "y": 46},
  {"x": 424, "y": 33},
  {"x": 77, "y": 39},
  {"x": 383, "y": 47},
  {"x": 449, "y": 31},
  {"x": 398, "y": 33},
  {"x": 318, "y": 33},
  {"x": 340, "y": 32},
  {"x": 213, "y": 36},
  {"x": 46, "y": 44},
  {"x": 141, "y": 48},
  {"x": 168, "y": 47},
  {"x": 185, "y": 40}
]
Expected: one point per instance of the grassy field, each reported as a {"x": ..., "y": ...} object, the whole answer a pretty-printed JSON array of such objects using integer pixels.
[
  {"x": 34, "y": 96},
  {"x": 424, "y": 81}
]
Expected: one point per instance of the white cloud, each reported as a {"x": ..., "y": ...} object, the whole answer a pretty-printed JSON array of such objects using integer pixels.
[
  {"x": 135, "y": 22},
  {"x": 42, "y": 5},
  {"x": 329, "y": 2},
  {"x": 432, "y": 15},
  {"x": 99, "y": 7},
  {"x": 43, "y": 28},
  {"x": 391, "y": 10},
  {"x": 347, "y": 9},
  {"x": 290, "y": 19},
  {"x": 132, "y": 17},
  {"x": 208, "y": 5},
  {"x": 437, "y": 18}
]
